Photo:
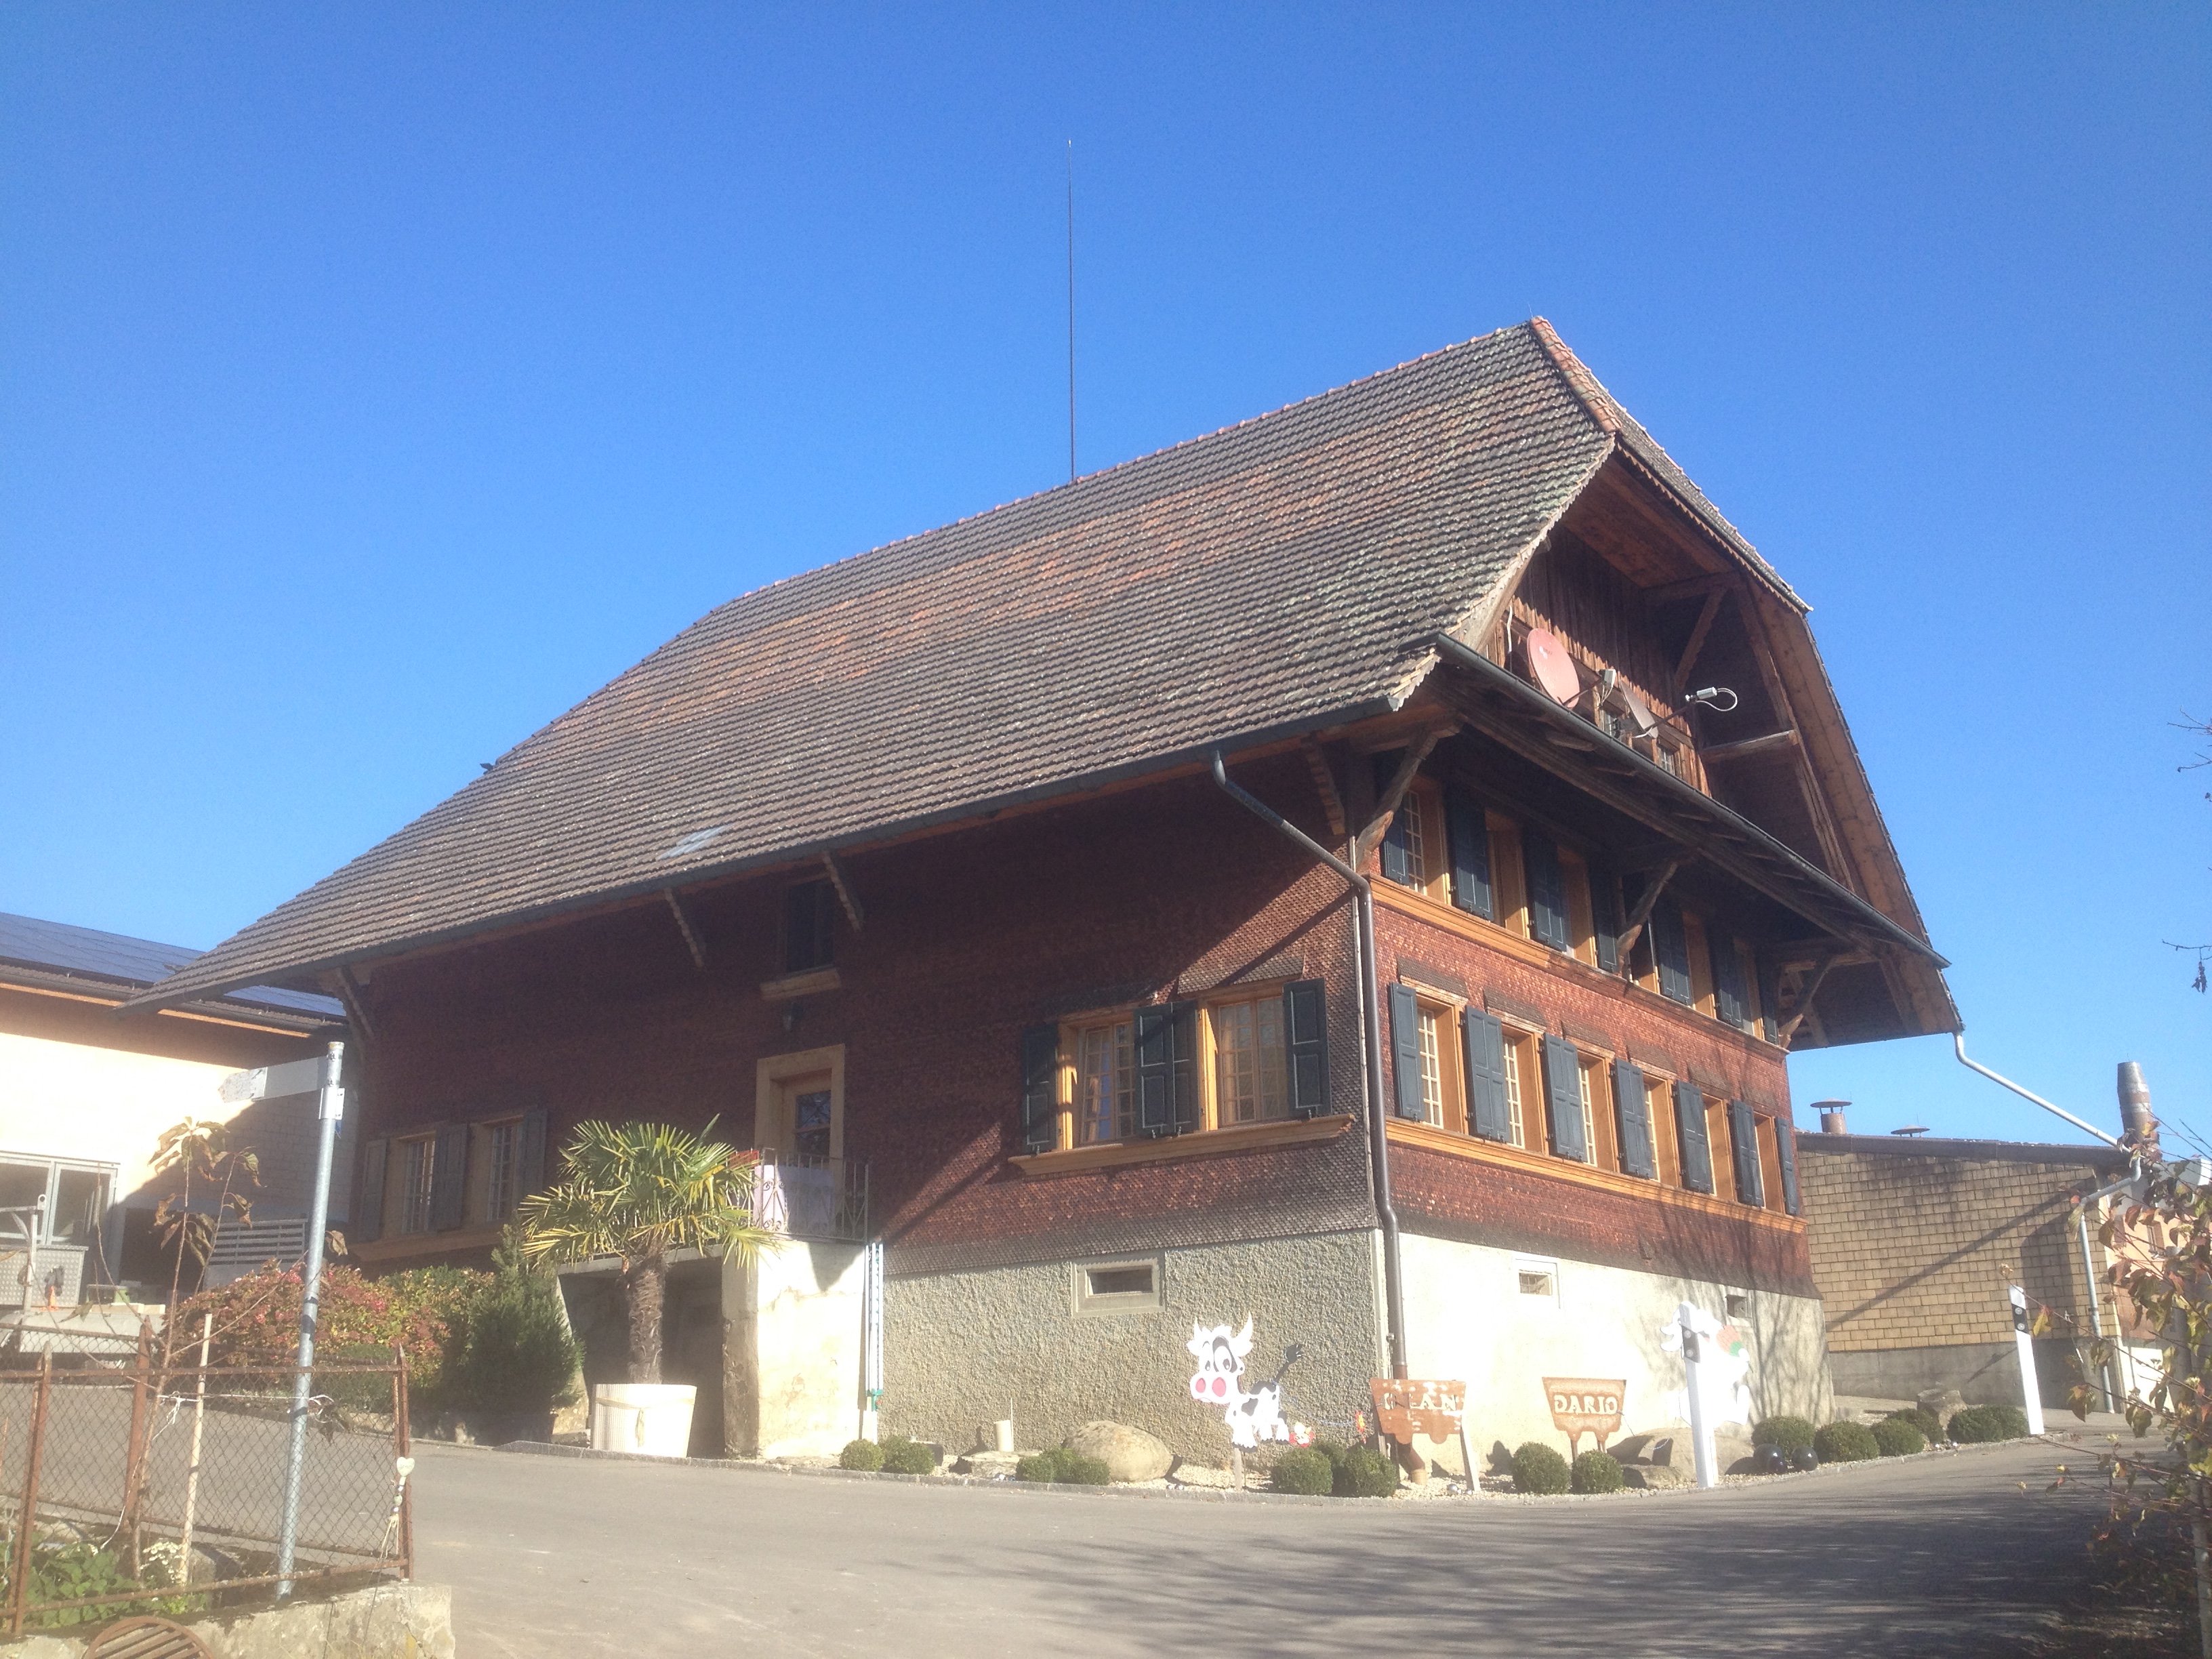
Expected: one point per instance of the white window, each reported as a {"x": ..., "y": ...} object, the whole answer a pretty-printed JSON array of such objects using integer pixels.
[
  {"x": 1432, "y": 1069},
  {"x": 1105, "y": 1083},
  {"x": 1538, "y": 1277},
  {"x": 1520, "y": 1063},
  {"x": 1589, "y": 1117}
]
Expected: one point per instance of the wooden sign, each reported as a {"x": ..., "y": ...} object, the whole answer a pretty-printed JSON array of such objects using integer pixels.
[
  {"x": 1405, "y": 1407},
  {"x": 1586, "y": 1405}
]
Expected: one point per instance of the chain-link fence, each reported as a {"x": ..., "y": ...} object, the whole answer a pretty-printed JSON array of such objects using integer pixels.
[{"x": 137, "y": 1488}]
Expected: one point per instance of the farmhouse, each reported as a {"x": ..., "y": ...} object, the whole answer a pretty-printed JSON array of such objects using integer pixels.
[{"x": 1363, "y": 871}]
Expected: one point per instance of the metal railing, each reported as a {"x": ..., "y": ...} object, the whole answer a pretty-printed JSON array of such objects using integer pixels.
[
  {"x": 141, "y": 1488},
  {"x": 816, "y": 1198}
]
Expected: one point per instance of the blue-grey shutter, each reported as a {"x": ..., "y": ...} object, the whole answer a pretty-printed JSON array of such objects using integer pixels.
[
  {"x": 1305, "y": 1043},
  {"x": 1605, "y": 917},
  {"x": 1670, "y": 949},
  {"x": 367, "y": 1223},
  {"x": 1039, "y": 1088},
  {"x": 1547, "y": 891},
  {"x": 449, "y": 1178},
  {"x": 1562, "y": 1086},
  {"x": 1743, "y": 1142},
  {"x": 1406, "y": 1054},
  {"x": 1690, "y": 1137},
  {"x": 1482, "y": 1040},
  {"x": 1470, "y": 852},
  {"x": 530, "y": 1157},
  {"x": 1631, "y": 1105},
  {"x": 1785, "y": 1148},
  {"x": 1727, "y": 979},
  {"x": 1397, "y": 842},
  {"x": 1155, "y": 1045}
]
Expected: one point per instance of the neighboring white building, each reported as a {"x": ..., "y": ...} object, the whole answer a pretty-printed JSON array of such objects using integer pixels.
[{"x": 86, "y": 1094}]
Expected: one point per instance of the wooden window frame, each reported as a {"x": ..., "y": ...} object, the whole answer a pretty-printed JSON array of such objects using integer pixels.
[
  {"x": 1205, "y": 1079},
  {"x": 414, "y": 1184},
  {"x": 1073, "y": 1034},
  {"x": 1697, "y": 944},
  {"x": 1770, "y": 1161},
  {"x": 1601, "y": 1118},
  {"x": 1444, "y": 1008},
  {"x": 776, "y": 1070},
  {"x": 1582, "y": 919},
  {"x": 1509, "y": 879},
  {"x": 486, "y": 1200},
  {"x": 1210, "y": 1007},
  {"x": 1524, "y": 1061}
]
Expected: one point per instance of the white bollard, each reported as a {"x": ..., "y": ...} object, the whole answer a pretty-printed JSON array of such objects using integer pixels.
[
  {"x": 2023, "y": 1338},
  {"x": 1701, "y": 1433}
]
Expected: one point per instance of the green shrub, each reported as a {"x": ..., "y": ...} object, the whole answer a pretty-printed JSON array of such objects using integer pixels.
[
  {"x": 507, "y": 1346},
  {"x": 1366, "y": 1472},
  {"x": 1537, "y": 1469},
  {"x": 865, "y": 1455},
  {"x": 1593, "y": 1471},
  {"x": 905, "y": 1457},
  {"x": 1845, "y": 1443},
  {"x": 1929, "y": 1425},
  {"x": 1304, "y": 1470},
  {"x": 1895, "y": 1437},
  {"x": 1784, "y": 1434},
  {"x": 1063, "y": 1466},
  {"x": 1978, "y": 1425}
]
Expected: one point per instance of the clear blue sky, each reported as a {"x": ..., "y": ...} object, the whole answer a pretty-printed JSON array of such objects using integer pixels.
[{"x": 374, "y": 382}]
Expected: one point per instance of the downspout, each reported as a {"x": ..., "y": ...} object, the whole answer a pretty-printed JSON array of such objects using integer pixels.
[
  {"x": 2089, "y": 1270},
  {"x": 1959, "y": 1042},
  {"x": 1378, "y": 1144}
]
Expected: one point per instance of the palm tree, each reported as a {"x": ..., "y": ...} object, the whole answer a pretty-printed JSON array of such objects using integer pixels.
[{"x": 637, "y": 1191}]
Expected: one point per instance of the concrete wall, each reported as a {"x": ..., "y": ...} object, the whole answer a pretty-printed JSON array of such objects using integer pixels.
[
  {"x": 1985, "y": 1373},
  {"x": 1466, "y": 1319},
  {"x": 964, "y": 1349},
  {"x": 791, "y": 1350},
  {"x": 390, "y": 1621}
]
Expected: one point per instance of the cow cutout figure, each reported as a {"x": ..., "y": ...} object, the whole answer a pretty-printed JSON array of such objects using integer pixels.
[{"x": 1219, "y": 1381}]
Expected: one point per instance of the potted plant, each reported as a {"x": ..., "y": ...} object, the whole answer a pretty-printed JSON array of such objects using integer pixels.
[{"x": 636, "y": 1192}]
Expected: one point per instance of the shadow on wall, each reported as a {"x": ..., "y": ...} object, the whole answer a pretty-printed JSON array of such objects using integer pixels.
[{"x": 690, "y": 1336}]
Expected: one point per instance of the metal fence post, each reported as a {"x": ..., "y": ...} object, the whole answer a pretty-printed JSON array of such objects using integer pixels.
[
  {"x": 332, "y": 1106},
  {"x": 134, "y": 1460},
  {"x": 19, "y": 1590}
]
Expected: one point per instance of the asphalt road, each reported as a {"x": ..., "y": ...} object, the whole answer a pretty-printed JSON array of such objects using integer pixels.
[{"x": 576, "y": 1556}]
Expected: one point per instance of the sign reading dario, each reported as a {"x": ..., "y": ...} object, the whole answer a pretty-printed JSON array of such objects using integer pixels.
[{"x": 1586, "y": 1405}]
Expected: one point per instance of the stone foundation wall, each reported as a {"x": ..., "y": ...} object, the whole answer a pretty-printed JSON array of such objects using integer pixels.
[{"x": 391, "y": 1621}]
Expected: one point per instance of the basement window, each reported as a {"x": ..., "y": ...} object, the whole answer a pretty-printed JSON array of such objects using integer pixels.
[
  {"x": 1537, "y": 1278},
  {"x": 1123, "y": 1286},
  {"x": 1739, "y": 1305}
]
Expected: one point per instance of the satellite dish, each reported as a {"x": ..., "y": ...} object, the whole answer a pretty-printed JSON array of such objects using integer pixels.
[
  {"x": 1640, "y": 717},
  {"x": 1551, "y": 667}
]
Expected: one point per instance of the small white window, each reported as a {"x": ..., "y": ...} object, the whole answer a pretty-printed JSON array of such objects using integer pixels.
[
  {"x": 1130, "y": 1285},
  {"x": 1537, "y": 1277},
  {"x": 1739, "y": 1305}
]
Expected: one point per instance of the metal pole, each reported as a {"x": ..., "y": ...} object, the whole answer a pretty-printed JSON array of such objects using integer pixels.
[
  {"x": 27, "y": 1519},
  {"x": 872, "y": 1341},
  {"x": 330, "y": 1109},
  {"x": 1701, "y": 1438},
  {"x": 193, "y": 1469}
]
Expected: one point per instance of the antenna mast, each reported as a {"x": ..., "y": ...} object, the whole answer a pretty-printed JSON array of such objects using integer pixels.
[{"x": 1071, "y": 311}]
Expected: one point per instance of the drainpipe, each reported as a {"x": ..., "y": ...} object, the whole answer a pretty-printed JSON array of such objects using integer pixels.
[
  {"x": 1959, "y": 1042},
  {"x": 2133, "y": 1177},
  {"x": 1378, "y": 1144}
]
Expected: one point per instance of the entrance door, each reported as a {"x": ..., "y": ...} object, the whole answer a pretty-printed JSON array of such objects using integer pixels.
[{"x": 803, "y": 1121}]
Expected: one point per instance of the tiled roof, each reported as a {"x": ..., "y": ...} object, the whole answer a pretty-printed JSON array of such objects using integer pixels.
[
  {"x": 124, "y": 964},
  {"x": 1262, "y": 579}
]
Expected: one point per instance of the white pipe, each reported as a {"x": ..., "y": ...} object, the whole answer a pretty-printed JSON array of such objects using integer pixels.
[{"x": 1959, "y": 1042}]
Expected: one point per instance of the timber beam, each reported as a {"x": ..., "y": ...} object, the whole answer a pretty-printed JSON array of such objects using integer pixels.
[
  {"x": 1642, "y": 914},
  {"x": 685, "y": 925},
  {"x": 846, "y": 895},
  {"x": 1401, "y": 781}
]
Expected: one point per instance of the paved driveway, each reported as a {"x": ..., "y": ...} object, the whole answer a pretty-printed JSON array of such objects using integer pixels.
[{"x": 550, "y": 1555}]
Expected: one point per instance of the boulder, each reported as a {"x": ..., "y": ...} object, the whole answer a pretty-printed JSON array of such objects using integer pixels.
[
  {"x": 1652, "y": 1445},
  {"x": 1128, "y": 1454},
  {"x": 990, "y": 1465},
  {"x": 1652, "y": 1476},
  {"x": 1942, "y": 1402}
]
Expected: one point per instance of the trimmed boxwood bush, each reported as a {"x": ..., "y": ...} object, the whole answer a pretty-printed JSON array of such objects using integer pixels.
[
  {"x": 1303, "y": 1469},
  {"x": 1062, "y": 1467},
  {"x": 905, "y": 1457},
  {"x": 1537, "y": 1469},
  {"x": 1363, "y": 1472},
  {"x": 1784, "y": 1434},
  {"x": 1845, "y": 1443},
  {"x": 1895, "y": 1437},
  {"x": 1929, "y": 1425},
  {"x": 861, "y": 1455},
  {"x": 1977, "y": 1424},
  {"x": 1593, "y": 1471}
]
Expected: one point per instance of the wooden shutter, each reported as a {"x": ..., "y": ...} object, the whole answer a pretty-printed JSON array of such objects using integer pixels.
[
  {"x": 1469, "y": 830},
  {"x": 1547, "y": 891},
  {"x": 367, "y": 1222},
  {"x": 1305, "y": 1042},
  {"x": 449, "y": 1178},
  {"x": 1039, "y": 1116},
  {"x": 1563, "y": 1087},
  {"x": 1632, "y": 1106},
  {"x": 1605, "y": 917},
  {"x": 1743, "y": 1143},
  {"x": 1406, "y": 1052},
  {"x": 1785, "y": 1148},
  {"x": 1482, "y": 1041},
  {"x": 1670, "y": 949},
  {"x": 1166, "y": 1042},
  {"x": 1727, "y": 978},
  {"x": 530, "y": 1157},
  {"x": 1690, "y": 1136},
  {"x": 1397, "y": 843}
]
